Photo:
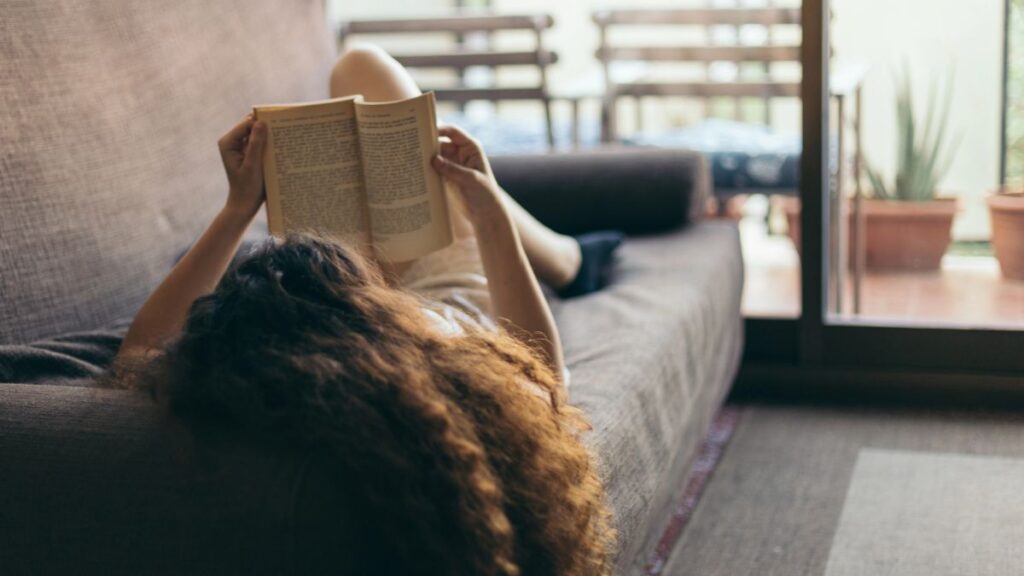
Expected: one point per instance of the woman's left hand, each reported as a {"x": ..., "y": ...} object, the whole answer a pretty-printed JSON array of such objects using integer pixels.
[
  {"x": 463, "y": 163},
  {"x": 241, "y": 149}
]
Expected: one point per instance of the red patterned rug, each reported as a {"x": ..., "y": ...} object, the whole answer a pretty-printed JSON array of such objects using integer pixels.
[{"x": 722, "y": 428}]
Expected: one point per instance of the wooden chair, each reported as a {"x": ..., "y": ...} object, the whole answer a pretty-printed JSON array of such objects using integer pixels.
[
  {"x": 462, "y": 57},
  {"x": 765, "y": 85}
]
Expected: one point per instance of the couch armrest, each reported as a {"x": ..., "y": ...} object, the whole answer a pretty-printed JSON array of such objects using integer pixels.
[
  {"x": 100, "y": 481},
  {"x": 636, "y": 190}
]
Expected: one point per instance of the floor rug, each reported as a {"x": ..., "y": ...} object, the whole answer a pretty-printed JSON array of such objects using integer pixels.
[
  {"x": 722, "y": 428},
  {"x": 923, "y": 513}
]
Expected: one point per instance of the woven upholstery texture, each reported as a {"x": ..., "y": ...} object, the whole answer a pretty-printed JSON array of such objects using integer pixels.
[
  {"x": 101, "y": 477},
  {"x": 652, "y": 358},
  {"x": 104, "y": 484},
  {"x": 108, "y": 162},
  {"x": 110, "y": 112}
]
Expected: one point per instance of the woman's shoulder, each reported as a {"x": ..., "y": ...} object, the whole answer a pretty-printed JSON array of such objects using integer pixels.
[{"x": 442, "y": 323}]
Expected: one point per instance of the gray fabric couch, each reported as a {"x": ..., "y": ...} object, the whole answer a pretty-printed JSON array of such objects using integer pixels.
[{"x": 108, "y": 169}]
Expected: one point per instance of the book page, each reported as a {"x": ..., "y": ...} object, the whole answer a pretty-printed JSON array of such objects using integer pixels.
[
  {"x": 408, "y": 207},
  {"x": 313, "y": 171}
]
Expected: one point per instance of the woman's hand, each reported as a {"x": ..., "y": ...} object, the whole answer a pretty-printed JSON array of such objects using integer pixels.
[
  {"x": 516, "y": 297},
  {"x": 241, "y": 149},
  {"x": 200, "y": 269},
  {"x": 462, "y": 162}
]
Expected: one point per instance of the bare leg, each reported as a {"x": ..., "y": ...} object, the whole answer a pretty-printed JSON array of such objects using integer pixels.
[
  {"x": 370, "y": 71},
  {"x": 555, "y": 258}
]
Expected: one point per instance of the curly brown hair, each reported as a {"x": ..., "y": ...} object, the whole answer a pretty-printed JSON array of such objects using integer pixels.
[{"x": 460, "y": 452}]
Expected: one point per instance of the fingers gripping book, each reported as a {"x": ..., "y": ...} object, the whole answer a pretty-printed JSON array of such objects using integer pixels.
[{"x": 358, "y": 173}]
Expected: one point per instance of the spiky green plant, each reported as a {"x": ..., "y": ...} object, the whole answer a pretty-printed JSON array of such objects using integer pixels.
[{"x": 921, "y": 161}]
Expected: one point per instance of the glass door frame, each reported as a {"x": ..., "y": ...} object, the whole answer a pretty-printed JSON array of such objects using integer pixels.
[{"x": 823, "y": 342}]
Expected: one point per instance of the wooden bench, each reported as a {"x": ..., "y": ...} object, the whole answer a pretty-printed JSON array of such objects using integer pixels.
[
  {"x": 764, "y": 85},
  {"x": 755, "y": 78}
]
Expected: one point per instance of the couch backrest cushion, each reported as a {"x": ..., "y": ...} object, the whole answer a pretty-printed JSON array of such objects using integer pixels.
[{"x": 110, "y": 112}]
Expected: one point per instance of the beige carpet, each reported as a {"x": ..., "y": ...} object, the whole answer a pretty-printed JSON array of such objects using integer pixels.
[
  {"x": 909, "y": 513},
  {"x": 798, "y": 492}
]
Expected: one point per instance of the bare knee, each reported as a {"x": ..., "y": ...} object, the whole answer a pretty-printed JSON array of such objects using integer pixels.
[
  {"x": 368, "y": 70},
  {"x": 362, "y": 57},
  {"x": 356, "y": 62}
]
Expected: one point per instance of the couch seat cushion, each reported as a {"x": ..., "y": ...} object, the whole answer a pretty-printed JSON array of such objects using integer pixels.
[{"x": 651, "y": 358}]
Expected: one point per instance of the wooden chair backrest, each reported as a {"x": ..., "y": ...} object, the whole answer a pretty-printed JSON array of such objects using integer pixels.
[
  {"x": 763, "y": 86},
  {"x": 460, "y": 57}
]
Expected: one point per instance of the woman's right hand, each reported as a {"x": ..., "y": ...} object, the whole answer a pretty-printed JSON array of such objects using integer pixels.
[
  {"x": 462, "y": 162},
  {"x": 241, "y": 150}
]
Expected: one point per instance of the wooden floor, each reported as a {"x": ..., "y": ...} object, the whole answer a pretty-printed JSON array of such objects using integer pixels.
[{"x": 969, "y": 290}]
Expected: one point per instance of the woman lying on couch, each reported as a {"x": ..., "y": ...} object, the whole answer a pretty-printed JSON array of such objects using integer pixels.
[{"x": 449, "y": 436}]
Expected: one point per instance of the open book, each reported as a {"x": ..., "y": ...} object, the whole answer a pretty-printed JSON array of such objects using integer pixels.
[{"x": 358, "y": 173}]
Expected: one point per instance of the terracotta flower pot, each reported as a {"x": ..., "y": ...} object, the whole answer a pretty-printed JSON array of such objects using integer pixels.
[
  {"x": 908, "y": 235},
  {"x": 898, "y": 235},
  {"x": 1008, "y": 233},
  {"x": 732, "y": 209}
]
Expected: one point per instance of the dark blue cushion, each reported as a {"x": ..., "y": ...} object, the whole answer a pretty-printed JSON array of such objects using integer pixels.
[{"x": 743, "y": 156}]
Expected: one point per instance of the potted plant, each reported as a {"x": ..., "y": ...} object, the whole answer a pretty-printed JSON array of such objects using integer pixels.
[
  {"x": 1007, "y": 210},
  {"x": 906, "y": 225}
]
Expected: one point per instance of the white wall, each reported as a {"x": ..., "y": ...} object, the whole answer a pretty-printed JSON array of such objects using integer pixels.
[{"x": 960, "y": 40}]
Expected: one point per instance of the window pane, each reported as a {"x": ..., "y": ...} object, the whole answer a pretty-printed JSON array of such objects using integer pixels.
[{"x": 929, "y": 155}]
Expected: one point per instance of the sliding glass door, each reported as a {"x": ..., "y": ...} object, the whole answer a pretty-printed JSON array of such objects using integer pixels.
[{"x": 904, "y": 138}]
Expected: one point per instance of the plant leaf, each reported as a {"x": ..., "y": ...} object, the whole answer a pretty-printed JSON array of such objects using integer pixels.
[
  {"x": 877, "y": 184},
  {"x": 921, "y": 160}
]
